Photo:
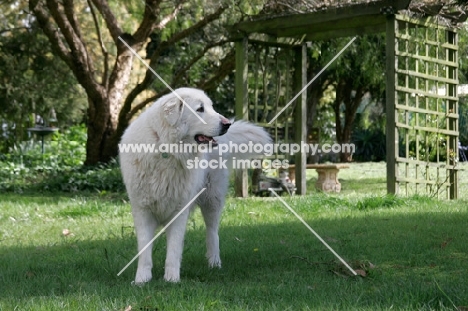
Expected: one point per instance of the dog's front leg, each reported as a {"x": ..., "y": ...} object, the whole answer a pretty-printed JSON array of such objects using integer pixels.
[
  {"x": 175, "y": 244},
  {"x": 145, "y": 225}
]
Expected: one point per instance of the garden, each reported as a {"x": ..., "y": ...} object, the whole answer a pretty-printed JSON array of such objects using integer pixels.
[
  {"x": 82, "y": 71},
  {"x": 65, "y": 233}
]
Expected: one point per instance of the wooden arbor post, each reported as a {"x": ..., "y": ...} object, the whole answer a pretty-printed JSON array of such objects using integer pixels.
[
  {"x": 391, "y": 130},
  {"x": 300, "y": 115},
  {"x": 242, "y": 107}
]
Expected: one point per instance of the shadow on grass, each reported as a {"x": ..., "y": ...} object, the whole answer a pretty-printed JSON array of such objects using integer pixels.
[{"x": 420, "y": 262}]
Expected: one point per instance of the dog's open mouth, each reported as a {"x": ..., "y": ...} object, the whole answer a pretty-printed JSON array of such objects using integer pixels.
[{"x": 203, "y": 139}]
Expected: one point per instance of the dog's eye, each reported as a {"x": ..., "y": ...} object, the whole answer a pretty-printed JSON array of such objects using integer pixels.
[{"x": 201, "y": 109}]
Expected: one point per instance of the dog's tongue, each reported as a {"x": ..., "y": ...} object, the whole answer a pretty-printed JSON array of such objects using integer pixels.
[{"x": 202, "y": 139}]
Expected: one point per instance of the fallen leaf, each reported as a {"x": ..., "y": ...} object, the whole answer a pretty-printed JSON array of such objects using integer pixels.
[
  {"x": 445, "y": 243},
  {"x": 461, "y": 308},
  {"x": 361, "y": 272},
  {"x": 66, "y": 232},
  {"x": 129, "y": 308},
  {"x": 30, "y": 274}
]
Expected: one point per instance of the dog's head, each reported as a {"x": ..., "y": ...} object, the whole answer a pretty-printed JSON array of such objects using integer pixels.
[{"x": 186, "y": 116}]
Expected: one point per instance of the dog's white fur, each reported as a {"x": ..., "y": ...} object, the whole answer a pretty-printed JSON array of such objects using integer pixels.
[{"x": 159, "y": 186}]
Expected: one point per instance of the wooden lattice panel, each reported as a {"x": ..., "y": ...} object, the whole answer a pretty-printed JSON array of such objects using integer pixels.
[
  {"x": 426, "y": 108},
  {"x": 270, "y": 88}
]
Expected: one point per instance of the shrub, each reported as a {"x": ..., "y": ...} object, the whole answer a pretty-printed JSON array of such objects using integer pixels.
[{"x": 59, "y": 168}]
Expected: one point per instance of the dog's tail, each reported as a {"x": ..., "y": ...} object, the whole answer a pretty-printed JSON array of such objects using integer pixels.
[{"x": 244, "y": 140}]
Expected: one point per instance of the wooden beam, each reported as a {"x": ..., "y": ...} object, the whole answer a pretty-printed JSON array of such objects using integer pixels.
[
  {"x": 349, "y": 26},
  {"x": 242, "y": 112},
  {"x": 346, "y": 32},
  {"x": 300, "y": 115},
  {"x": 341, "y": 15},
  {"x": 391, "y": 130}
]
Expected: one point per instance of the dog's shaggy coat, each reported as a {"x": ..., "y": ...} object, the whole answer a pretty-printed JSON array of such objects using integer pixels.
[{"x": 159, "y": 185}]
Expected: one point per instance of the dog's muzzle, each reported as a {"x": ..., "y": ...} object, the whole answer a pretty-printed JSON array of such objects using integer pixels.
[
  {"x": 224, "y": 128},
  {"x": 224, "y": 125}
]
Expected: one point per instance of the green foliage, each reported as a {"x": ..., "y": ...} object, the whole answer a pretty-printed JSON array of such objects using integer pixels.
[
  {"x": 463, "y": 121},
  {"x": 59, "y": 168},
  {"x": 379, "y": 202},
  {"x": 34, "y": 81},
  {"x": 370, "y": 144},
  {"x": 369, "y": 133},
  {"x": 463, "y": 53}
]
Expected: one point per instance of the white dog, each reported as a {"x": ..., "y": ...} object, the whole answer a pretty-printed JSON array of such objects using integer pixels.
[{"x": 160, "y": 184}]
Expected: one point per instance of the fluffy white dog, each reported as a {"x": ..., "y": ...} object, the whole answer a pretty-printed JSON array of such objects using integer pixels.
[{"x": 160, "y": 184}]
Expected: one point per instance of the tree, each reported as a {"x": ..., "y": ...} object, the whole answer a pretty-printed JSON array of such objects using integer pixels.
[
  {"x": 357, "y": 73},
  {"x": 77, "y": 32}
]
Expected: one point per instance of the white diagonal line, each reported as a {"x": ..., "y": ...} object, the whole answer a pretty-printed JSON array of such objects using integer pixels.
[
  {"x": 161, "y": 79},
  {"x": 313, "y": 79},
  {"x": 160, "y": 232},
  {"x": 312, "y": 230}
]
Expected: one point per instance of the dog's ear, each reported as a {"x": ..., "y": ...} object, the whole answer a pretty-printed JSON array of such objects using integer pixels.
[{"x": 173, "y": 109}]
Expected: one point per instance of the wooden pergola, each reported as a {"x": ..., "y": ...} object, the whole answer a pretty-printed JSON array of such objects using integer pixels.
[{"x": 355, "y": 20}]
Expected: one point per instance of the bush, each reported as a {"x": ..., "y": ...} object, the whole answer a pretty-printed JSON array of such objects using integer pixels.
[
  {"x": 370, "y": 145},
  {"x": 59, "y": 168}
]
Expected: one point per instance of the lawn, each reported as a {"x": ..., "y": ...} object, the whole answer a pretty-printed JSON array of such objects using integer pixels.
[{"x": 63, "y": 252}]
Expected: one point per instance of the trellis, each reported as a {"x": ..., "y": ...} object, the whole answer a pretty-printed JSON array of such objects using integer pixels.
[
  {"x": 421, "y": 86},
  {"x": 425, "y": 107},
  {"x": 269, "y": 92}
]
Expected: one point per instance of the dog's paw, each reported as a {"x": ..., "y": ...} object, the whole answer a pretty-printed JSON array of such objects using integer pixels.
[
  {"x": 214, "y": 262},
  {"x": 172, "y": 275},
  {"x": 142, "y": 277}
]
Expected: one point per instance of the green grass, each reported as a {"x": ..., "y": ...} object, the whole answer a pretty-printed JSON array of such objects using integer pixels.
[{"x": 413, "y": 250}]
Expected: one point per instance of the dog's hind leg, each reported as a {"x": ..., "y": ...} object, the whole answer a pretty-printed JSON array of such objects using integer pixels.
[
  {"x": 211, "y": 212},
  {"x": 211, "y": 203},
  {"x": 145, "y": 226}
]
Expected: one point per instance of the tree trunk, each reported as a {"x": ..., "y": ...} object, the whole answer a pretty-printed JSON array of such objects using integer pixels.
[
  {"x": 103, "y": 112},
  {"x": 99, "y": 131},
  {"x": 344, "y": 127}
]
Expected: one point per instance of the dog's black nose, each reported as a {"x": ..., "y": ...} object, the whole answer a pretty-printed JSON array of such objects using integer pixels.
[{"x": 224, "y": 128}]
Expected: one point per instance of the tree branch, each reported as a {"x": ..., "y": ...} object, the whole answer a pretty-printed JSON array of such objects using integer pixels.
[
  {"x": 54, "y": 37},
  {"x": 145, "y": 102},
  {"x": 13, "y": 29},
  {"x": 105, "y": 53},
  {"x": 185, "y": 33},
  {"x": 147, "y": 25},
  {"x": 227, "y": 66},
  {"x": 182, "y": 71},
  {"x": 79, "y": 52},
  {"x": 165, "y": 20},
  {"x": 205, "y": 21},
  {"x": 68, "y": 6},
  {"x": 109, "y": 18}
]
